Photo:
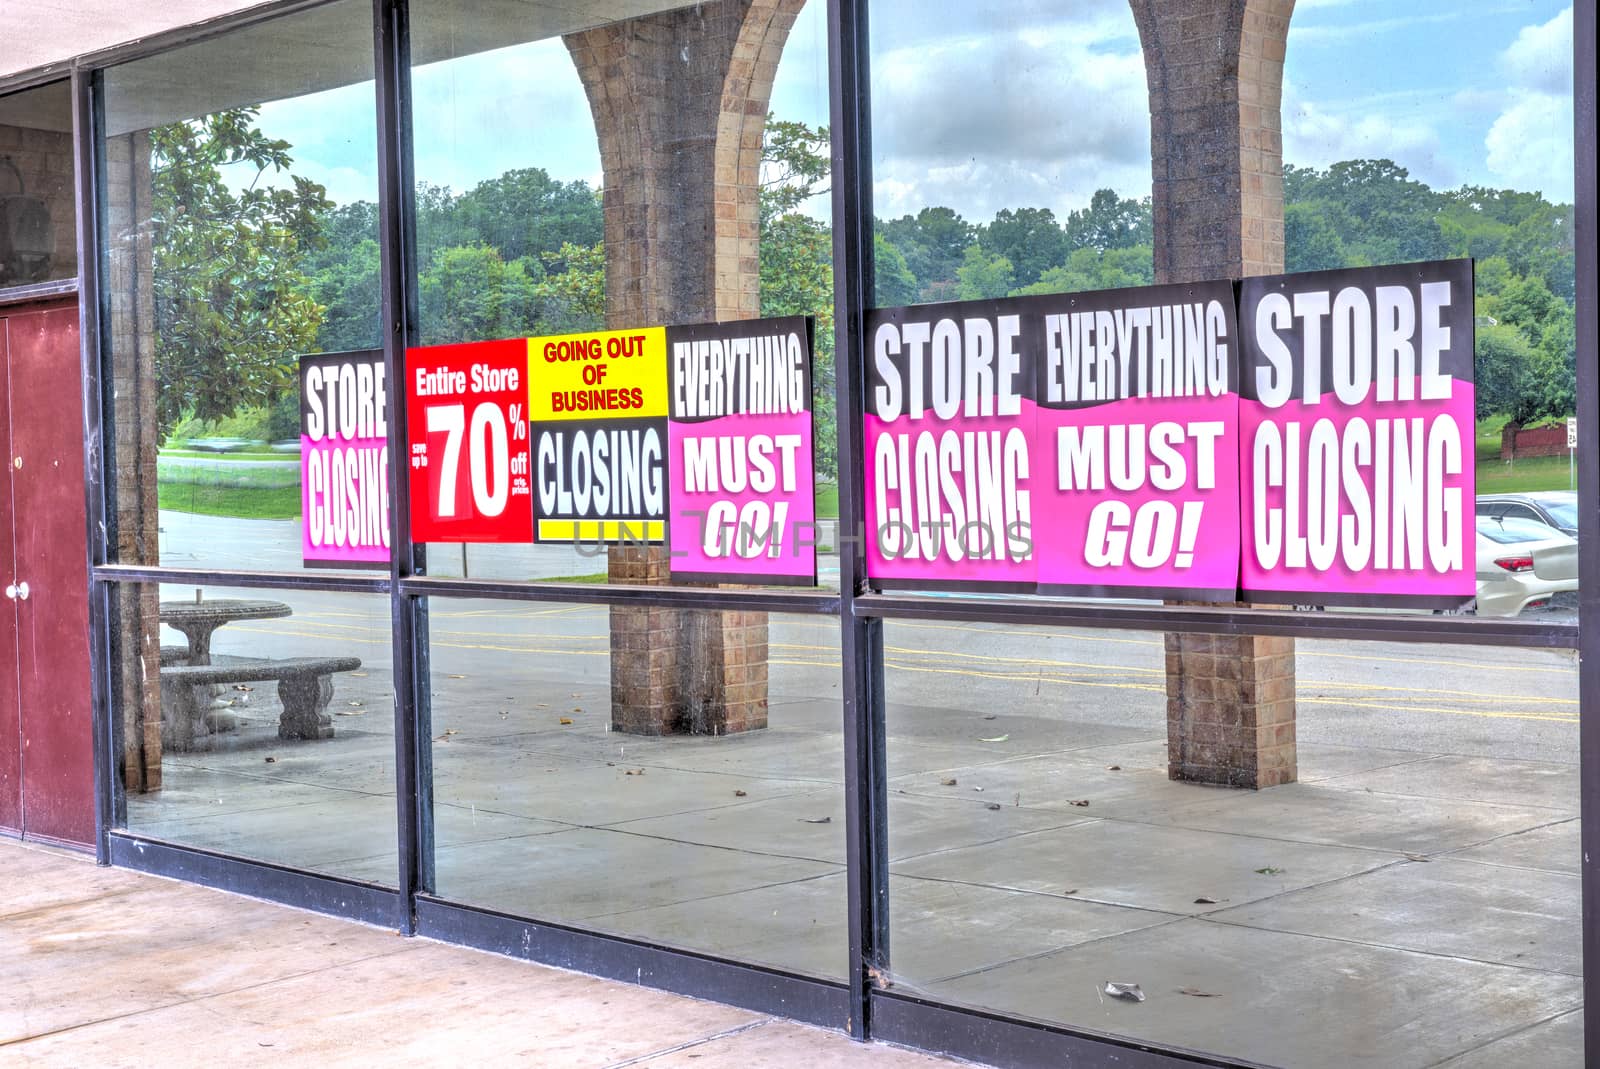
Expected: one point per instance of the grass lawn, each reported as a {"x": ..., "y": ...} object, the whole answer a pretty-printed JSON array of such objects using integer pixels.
[
  {"x": 262, "y": 454},
  {"x": 279, "y": 503},
  {"x": 827, "y": 501},
  {"x": 1496, "y": 476},
  {"x": 1530, "y": 473}
]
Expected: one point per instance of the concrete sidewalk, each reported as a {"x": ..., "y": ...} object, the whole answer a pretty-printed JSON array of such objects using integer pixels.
[{"x": 110, "y": 968}]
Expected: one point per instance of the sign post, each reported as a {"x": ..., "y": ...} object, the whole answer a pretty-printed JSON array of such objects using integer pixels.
[{"x": 1572, "y": 446}]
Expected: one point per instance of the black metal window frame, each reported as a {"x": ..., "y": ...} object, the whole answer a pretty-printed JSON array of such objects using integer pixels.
[{"x": 858, "y": 1005}]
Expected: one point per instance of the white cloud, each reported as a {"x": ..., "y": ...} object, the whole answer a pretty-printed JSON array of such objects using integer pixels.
[
  {"x": 1316, "y": 135},
  {"x": 1540, "y": 59},
  {"x": 1039, "y": 116},
  {"x": 1530, "y": 143}
]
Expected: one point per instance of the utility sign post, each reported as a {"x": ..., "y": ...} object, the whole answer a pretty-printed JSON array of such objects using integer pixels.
[{"x": 1572, "y": 447}]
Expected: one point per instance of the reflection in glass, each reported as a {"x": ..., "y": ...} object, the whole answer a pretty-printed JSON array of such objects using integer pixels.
[
  {"x": 526, "y": 114},
  {"x": 1411, "y": 893},
  {"x": 38, "y": 207},
  {"x": 271, "y": 735},
  {"x": 563, "y": 791},
  {"x": 241, "y": 235}
]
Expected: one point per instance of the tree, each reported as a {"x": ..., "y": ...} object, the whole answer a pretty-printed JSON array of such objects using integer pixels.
[
  {"x": 796, "y": 262},
  {"x": 984, "y": 275},
  {"x": 794, "y": 165},
  {"x": 572, "y": 293},
  {"x": 1504, "y": 373},
  {"x": 525, "y": 212},
  {"x": 933, "y": 242},
  {"x": 347, "y": 287},
  {"x": 1030, "y": 238},
  {"x": 232, "y": 302},
  {"x": 1110, "y": 222},
  {"x": 469, "y": 293},
  {"x": 894, "y": 282},
  {"x": 1310, "y": 240},
  {"x": 1088, "y": 269}
]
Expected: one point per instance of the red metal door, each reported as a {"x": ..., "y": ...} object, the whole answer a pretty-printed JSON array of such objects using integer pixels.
[
  {"x": 50, "y": 550},
  {"x": 10, "y": 718}
]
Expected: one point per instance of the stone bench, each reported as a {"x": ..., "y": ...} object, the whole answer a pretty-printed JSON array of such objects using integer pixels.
[{"x": 305, "y": 686}]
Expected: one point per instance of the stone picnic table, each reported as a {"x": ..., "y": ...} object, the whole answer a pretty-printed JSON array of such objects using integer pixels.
[{"x": 199, "y": 620}]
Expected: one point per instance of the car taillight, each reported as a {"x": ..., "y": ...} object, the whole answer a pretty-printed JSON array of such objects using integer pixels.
[{"x": 1515, "y": 564}]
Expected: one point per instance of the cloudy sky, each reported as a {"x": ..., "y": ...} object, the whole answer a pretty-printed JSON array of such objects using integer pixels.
[{"x": 1010, "y": 103}]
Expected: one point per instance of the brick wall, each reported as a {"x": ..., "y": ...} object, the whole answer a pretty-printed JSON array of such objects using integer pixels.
[
  {"x": 45, "y": 159},
  {"x": 1518, "y": 441}
]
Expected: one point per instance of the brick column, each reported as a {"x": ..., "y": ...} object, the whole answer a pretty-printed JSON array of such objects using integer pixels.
[
  {"x": 1215, "y": 73},
  {"x": 133, "y": 432},
  {"x": 680, "y": 102}
]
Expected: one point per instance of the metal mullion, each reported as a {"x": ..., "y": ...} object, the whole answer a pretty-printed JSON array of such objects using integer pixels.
[
  {"x": 342, "y": 583},
  {"x": 397, "y": 225},
  {"x": 1355, "y": 627},
  {"x": 86, "y": 169},
  {"x": 1586, "y": 231},
  {"x": 800, "y": 603},
  {"x": 41, "y": 291},
  {"x": 860, "y": 637}
]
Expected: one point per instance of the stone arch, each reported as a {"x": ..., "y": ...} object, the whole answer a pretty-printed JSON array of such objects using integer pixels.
[
  {"x": 1215, "y": 74},
  {"x": 680, "y": 102}
]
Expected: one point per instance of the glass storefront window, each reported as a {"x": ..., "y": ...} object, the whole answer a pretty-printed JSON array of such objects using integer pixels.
[
  {"x": 272, "y": 734},
  {"x": 241, "y": 236},
  {"x": 564, "y": 790},
  {"x": 38, "y": 212},
  {"x": 1412, "y": 895},
  {"x": 1281, "y": 849},
  {"x": 542, "y": 210}
]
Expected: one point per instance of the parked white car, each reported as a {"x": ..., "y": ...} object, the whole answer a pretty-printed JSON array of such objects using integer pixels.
[{"x": 1521, "y": 563}]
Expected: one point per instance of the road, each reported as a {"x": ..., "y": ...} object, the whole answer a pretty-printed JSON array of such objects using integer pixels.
[{"x": 1479, "y": 701}]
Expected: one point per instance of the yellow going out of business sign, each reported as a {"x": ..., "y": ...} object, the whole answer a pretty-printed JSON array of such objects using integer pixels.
[{"x": 610, "y": 374}]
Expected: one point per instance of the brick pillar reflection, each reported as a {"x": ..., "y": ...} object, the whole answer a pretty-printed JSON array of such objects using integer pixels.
[
  {"x": 1215, "y": 75},
  {"x": 133, "y": 372},
  {"x": 680, "y": 102}
]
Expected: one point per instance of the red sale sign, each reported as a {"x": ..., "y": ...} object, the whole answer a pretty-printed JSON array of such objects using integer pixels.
[{"x": 468, "y": 454}]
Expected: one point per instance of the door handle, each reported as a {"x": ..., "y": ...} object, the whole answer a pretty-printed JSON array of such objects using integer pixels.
[
  {"x": 22, "y": 591},
  {"x": 11, "y": 591}
]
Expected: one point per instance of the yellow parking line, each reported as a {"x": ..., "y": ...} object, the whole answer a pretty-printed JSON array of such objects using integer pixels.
[{"x": 1438, "y": 709}]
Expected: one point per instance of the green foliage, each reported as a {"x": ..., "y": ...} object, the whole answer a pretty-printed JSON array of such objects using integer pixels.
[
  {"x": 1024, "y": 250},
  {"x": 470, "y": 293},
  {"x": 797, "y": 260},
  {"x": 933, "y": 243},
  {"x": 794, "y": 166},
  {"x": 347, "y": 286},
  {"x": 233, "y": 305},
  {"x": 1110, "y": 222},
  {"x": 1029, "y": 238},
  {"x": 1363, "y": 212},
  {"x": 521, "y": 253},
  {"x": 527, "y": 214},
  {"x": 572, "y": 293},
  {"x": 983, "y": 275},
  {"x": 892, "y": 278},
  {"x": 1089, "y": 269},
  {"x": 1504, "y": 371}
]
